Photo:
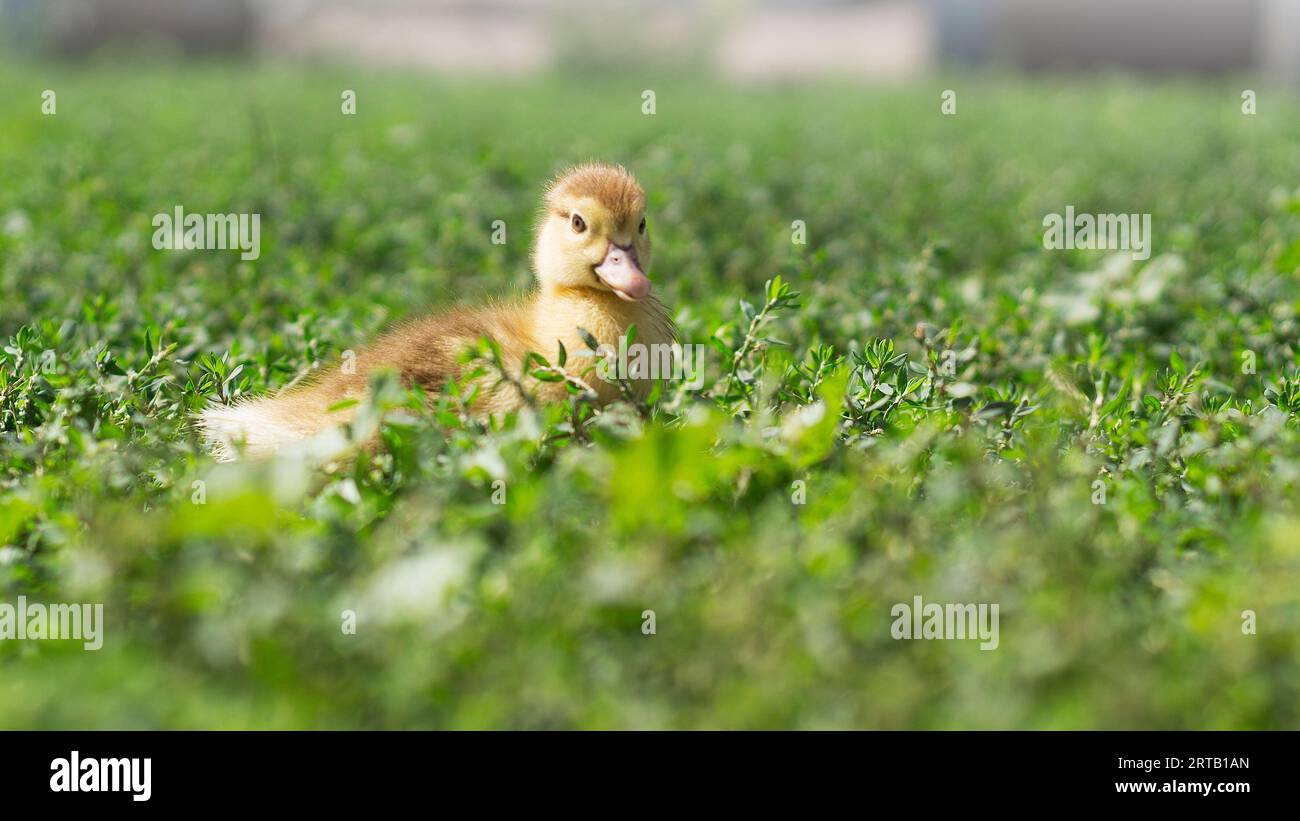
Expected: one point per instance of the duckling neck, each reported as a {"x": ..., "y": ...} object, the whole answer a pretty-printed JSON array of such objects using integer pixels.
[{"x": 559, "y": 312}]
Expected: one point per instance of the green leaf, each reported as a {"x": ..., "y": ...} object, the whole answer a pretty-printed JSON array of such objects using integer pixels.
[{"x": 1176, "y": 362}]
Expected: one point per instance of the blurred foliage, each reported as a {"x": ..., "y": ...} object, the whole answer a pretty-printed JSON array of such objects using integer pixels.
[{"x": 952, "y": 397}]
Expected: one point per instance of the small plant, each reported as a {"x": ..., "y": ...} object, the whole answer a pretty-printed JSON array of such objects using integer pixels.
[{"x": 746, "y": 358}]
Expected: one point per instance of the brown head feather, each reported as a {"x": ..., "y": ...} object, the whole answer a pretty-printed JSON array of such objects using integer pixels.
[{"x": 612, "y": 185}]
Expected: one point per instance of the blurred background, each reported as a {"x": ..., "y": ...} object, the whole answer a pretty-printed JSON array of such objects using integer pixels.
[
  {"x": 758, "y": 39},
  {"x": 924, "y": 232}
]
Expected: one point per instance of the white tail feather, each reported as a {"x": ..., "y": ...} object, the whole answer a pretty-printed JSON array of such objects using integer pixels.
[{"x": 262, "y": 427}]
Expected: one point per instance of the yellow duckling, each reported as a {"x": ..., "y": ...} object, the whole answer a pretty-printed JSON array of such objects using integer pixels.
[{"x": 590, "y": 256}]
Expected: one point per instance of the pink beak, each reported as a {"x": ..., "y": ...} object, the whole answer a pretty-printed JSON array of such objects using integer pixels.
[{"x": 621, "y": 272}]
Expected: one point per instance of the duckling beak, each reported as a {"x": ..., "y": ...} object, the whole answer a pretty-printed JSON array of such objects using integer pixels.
[{"x": 623, "y": 274}]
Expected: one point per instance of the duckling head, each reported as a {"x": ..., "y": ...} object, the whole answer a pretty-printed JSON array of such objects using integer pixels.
[{"x": 592, "y": 233}]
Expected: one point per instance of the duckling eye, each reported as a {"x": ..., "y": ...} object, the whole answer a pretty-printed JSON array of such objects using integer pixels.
[
  {"x": 579, "y": 224},
  {"x": 641, "y": 228}
]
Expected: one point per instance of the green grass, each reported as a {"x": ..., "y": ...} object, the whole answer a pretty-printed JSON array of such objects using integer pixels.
[{"x": 924, "y": 236}]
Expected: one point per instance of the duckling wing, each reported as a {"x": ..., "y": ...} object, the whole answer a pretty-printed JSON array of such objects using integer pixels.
[{"x": 427, "y": 352}]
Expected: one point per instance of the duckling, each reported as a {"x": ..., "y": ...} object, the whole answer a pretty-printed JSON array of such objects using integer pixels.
[{"x": 590, "y": 256}]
